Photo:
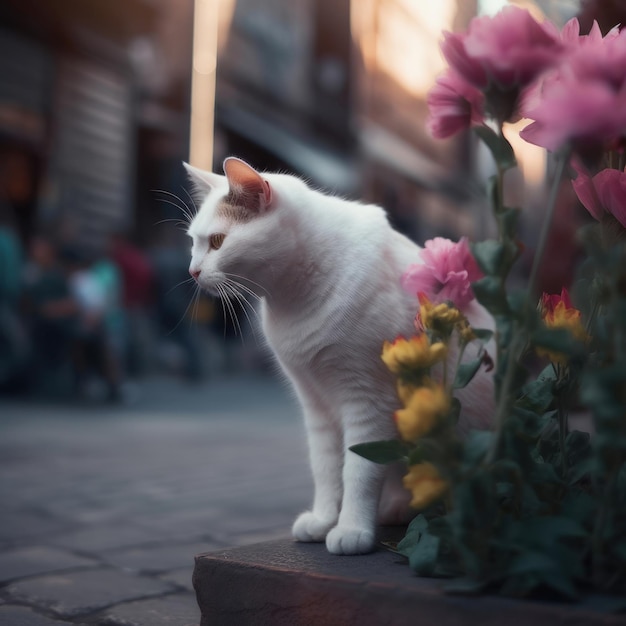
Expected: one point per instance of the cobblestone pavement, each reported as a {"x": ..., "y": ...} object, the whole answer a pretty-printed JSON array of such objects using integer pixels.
[{"x": 103, "y": 508}]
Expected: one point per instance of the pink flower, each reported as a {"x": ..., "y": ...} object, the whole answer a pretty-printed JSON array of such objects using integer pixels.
[
  {"x": 571, "y": 37},
  {"x": 501, "y": 56},
  {"x": 445, "y": 273},
  {"x": 582, "y": 101},
  {"x": 454, "y": 52},
  {"x": 512, "y": 47},
  {"x": 581, "y": 113},
  {"x": 453, "y": 106},
  {"x": 604, "y": 193}
]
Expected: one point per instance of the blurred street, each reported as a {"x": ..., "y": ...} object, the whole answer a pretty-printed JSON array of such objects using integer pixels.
[{"x": 104, "y": 507}]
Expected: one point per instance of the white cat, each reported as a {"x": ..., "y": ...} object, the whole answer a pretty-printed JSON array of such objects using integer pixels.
[{"x": 328, "y": 271}]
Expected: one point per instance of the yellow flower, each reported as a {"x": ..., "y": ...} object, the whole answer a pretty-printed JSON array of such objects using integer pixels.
[
  {"x": 558, "y": 312},
  {"x": 425, "y": 483},
  {"x": 412, "y": 354},
  {"x": 466, "y": 332},
  {"x": 439, "y": 318},
  {"x": 405, "y": 391},
  {"x": 425, "y": 408}
]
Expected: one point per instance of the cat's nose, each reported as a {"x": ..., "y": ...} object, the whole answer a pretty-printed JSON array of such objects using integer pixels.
[{"x": 194, "y": 273}]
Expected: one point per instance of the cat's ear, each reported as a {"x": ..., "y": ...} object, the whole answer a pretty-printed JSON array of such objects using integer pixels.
[
  {"x": 246, "y": 183},
  {"x": 203, "y": 182}
]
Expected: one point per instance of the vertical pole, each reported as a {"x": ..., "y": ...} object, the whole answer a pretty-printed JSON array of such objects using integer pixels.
[{"x": 203, "y": 83}]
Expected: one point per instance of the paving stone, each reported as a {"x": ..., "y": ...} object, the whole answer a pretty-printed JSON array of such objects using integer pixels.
[
  {"x": 23, "y": 562},
  {"x": 159, "y": 558},
  {"x": 16, "y": 526},
  {"x": 179, "y": 609},
  {"x": 78, "y": 593},
  {"x": 105, "y": 537},
  {"x": 11, "y": 615},
  {"x": 180, "y": 577}
]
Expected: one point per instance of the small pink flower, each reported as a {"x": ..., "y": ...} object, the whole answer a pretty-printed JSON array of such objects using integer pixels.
[
  {"x": 445, "y": 273},
  {"x": 604, "y": 193},
  {"x": 453, "y": 105}
]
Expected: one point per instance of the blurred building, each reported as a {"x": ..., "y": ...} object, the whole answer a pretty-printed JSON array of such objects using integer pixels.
[
  {"x": 93, "y": 104},
  {"x": 334, "y": 90}
]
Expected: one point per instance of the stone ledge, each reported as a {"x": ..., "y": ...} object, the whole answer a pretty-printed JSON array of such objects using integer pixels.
[{"x": 282, "y": 583}]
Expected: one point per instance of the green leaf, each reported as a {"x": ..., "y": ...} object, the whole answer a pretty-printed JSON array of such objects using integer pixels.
[
  {"x": 490, "y": 293},
  {"x": 483, "y": 334},
  {"x": 382, "y": 452},
  {"x": 499, "y": 147},
  {"x": 423, "y": 558},
  {"x": 581, "y": 470},
  {"x": 549, "y": 529},
  {"x": 465, "y": 373},
  {"x": 489, "y": 255},
  {"x": 556, "y": 340},
  {"x": 531, "y": 562},
  {"x": 477, "y": 443},
  {"x": 507, "y": 221},
  {"x": 537, "y": 395},
  {"x": 517, "y": 302},
  {"x": 577, "y": 447},
  {"x": 543, "y": 473}
]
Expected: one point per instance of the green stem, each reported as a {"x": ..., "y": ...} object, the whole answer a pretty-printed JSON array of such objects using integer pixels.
[
  {"x": 597, "y": 537},
  {"x": 518, "y": 345},
  {"x": 545, "y": 230},
  {"x": 563, "y": 424}
]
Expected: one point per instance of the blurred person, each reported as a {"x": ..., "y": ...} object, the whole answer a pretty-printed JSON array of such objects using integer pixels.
[
  {"x": 13, "y": 341},
  {"x": 52, "y": 313},
  {"x": 95, "y": 288},
  {"x": 137, "y": 285},
  {"x": 173, "y": 299}
]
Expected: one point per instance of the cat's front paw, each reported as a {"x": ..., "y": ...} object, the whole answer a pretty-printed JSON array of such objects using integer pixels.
[
  {"x": 310, "y": 527},
  {"x": 347, "y": 541}
]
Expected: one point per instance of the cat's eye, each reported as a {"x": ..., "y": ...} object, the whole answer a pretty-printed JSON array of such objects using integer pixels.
[{"x": 216, "y": 240}]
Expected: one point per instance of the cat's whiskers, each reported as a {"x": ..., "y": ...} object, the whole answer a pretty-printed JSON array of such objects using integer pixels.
[
  {"x": 246, "y": 290},
  {"x": 229, "y": 275},
  {"x": 231, "y": 309},
  {"x": 222, "y": 300},
  {"x": 193, "y": 204},
  {"x": 240, "y": 297},
  {"x": 180, "y": 224},
  {"x": 196, "y": 295},
  {"x": 183, "y": 206},
  {"x": 182, "y": 282}
]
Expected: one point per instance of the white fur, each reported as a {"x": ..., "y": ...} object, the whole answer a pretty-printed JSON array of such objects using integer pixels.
[{"x": 328, "y": 271}]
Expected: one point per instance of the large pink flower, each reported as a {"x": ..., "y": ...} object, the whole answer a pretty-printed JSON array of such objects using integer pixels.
[
  {"x": 604, "y": 193},
  {"x": 510, "y": 49},
  {"x": 582, "y": 101},
  {"x": 445, "y": 273},
  {"x": 453, "y": 105},
  {"x": 500, "y": 56},
  {"x": 580, "y": 113}
]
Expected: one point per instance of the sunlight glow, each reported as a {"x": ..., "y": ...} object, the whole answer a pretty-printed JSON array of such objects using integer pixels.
[{"x": 401, "y": 39}]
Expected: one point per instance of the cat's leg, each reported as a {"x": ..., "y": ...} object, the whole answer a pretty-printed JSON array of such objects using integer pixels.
[
  {"x": 355, "y": 532},
  {"x": 326, "y": 456},
  {"x": 394, "y": 508}
]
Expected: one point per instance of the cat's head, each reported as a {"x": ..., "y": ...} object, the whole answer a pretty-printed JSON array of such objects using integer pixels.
[{"x": 238, "y": 234}]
